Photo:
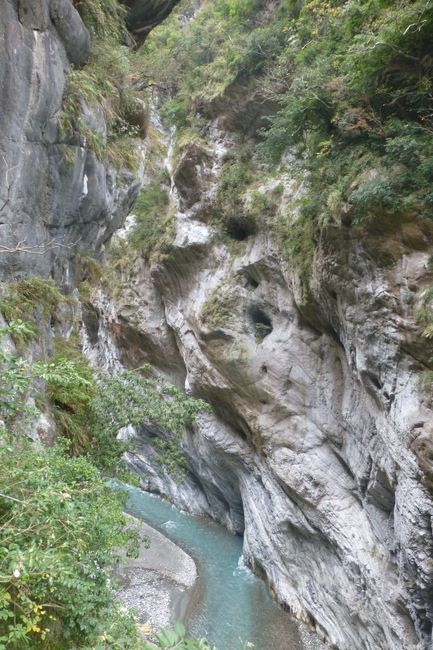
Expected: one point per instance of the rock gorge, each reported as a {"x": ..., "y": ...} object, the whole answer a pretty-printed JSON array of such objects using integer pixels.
[{"x": 318, "y": 447}]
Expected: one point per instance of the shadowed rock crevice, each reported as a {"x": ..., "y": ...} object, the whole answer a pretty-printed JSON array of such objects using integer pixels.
[
  {"x": 250, "y": 281},
  {"x": 239, "y": 228},
  {"x": 144, "y": 15},
  {"x": 261, "y": 322}
]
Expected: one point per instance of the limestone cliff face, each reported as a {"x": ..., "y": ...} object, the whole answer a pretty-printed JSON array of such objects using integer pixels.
[
  {"x": 57, "y": 198},
  {"x": 316, "y": 448}
]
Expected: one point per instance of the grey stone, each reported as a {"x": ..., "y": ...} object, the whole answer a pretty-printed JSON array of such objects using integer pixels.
[
  {"x": 57, "y": 200},
  {"x": 71, "y": 30},
  {"x": 318, "y": 445},
  {"x": 33, "y": 14},
  {"x": 46, "y": 214},
  {"x": 143, "y": 15}
]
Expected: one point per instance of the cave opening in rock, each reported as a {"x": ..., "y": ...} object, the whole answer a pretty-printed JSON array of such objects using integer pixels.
[
  {"x": 262, "y": 323},
  {"x": 250, "y": 281},
  {"x": 239, "y": 228}
]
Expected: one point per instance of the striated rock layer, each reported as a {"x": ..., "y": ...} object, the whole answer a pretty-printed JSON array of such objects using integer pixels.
[
  {"x": 316, "y": 448},
  {"x": 56, "y": 198}
]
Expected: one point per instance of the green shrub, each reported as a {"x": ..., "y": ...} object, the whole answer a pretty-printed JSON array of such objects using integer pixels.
[
  {"x": 104, "y": 18},
  {"x": 173, "y": 111},
  {"x": 89, "y": 269},
  {"x": 154, "y": 227},
  {"x": 30, "y": 299},
  {"x": 262, "y": 330},
  {"x": 296, "y": 235},
  {"x": 17, "y": 378},
  {"x": 424, "y": 313},
  {"x": 136, "y": 398},
  {"x": 262, "y": 206},
  {"x": 70, "y": 388},
  {"x": 194, "y": 62},
  {"x": 233, "y": 209},
  {"x": 105, "y": 82},
  {"x": 89, "y": 410},
  {"x": 176, "y": 638},
  {"x": 379, "y": 194},
  {"x": 62, "y": 531},
  {"x": 219, "y": 308},
  {"x": 372, "y": 95}
]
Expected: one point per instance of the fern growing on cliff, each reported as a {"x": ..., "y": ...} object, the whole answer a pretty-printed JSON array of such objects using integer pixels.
[
  {"x": 104, "y": 18},
  {"x": 154, "y": 227},
  {"x": 105, "y": 83}
]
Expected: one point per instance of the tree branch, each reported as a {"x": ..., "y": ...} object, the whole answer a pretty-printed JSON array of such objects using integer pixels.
[{"x": 36, "y": 249}]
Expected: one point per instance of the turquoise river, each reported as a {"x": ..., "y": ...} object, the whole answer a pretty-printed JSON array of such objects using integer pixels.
[{"x": 231, "y": 607}]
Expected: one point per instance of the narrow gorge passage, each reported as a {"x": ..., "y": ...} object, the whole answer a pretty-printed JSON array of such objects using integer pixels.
[
  {"x": 231, "y": 607},
  {"x": 216, "y": 271}
]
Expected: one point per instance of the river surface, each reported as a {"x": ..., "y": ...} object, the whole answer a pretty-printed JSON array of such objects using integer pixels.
[{"x": 230, "y": 607}]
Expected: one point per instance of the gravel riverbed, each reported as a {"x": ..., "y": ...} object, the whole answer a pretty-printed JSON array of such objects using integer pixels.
[{"x": 159, "y": 583}]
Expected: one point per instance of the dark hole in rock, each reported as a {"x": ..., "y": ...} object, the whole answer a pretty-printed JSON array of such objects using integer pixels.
[
  {"x": 375, "y": 380},
  {"x": 261, "y": 321},
  {"x": 251, "y": 283},
  {"x": 264, "y": 369},
  {"x": 426, "y": 625},
  {"x": 91, "y": 322},
  {"x": 239, "y": 228},
  {"x": 333, "y": 294}
]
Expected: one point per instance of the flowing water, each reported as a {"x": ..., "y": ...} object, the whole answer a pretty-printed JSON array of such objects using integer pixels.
[{"x": 231, "y": 607}]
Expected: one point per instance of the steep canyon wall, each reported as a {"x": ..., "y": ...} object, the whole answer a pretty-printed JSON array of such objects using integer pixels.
[{"x": 319, "y": 447}]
